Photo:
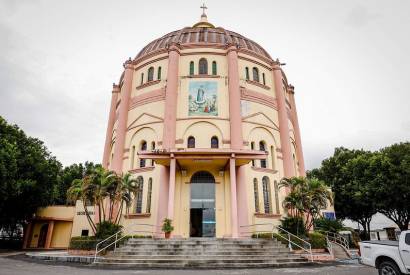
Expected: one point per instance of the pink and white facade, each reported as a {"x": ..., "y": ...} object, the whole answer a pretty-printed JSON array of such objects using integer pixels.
[{"x": 206, "y": 120}]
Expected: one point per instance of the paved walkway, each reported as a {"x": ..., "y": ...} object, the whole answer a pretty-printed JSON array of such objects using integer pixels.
[{"x": 9, "y": 266}]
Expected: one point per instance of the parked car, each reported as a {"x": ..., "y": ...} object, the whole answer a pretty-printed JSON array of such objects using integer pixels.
[{"x": 389, "y": 257}]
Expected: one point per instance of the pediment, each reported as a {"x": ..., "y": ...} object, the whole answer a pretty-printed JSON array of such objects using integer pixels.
[
  {"x": 260, "y": 118},
  {"x": 145, "y": 118}
]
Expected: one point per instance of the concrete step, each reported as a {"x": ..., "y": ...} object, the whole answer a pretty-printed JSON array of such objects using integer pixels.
[
  {"x": 266, "y": 257},
  {"x": 200, "y": 265},
  {"x": 215, "y": 252},
  {"x": 204, "y": 260}
]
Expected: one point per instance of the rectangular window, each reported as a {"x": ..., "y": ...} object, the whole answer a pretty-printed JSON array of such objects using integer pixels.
[
  {"x": 149, "y": 194},
  {"x": 256, "y": 194}
]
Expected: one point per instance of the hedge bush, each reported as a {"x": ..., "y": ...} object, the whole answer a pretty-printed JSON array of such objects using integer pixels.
[
  {"x": 83, "y": 243},
  {"x": 317, "y": 240},
  {"x": 106, "y": 229}
]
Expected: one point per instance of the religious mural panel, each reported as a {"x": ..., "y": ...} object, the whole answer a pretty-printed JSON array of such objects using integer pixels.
[{"x": 203, "y": 98}]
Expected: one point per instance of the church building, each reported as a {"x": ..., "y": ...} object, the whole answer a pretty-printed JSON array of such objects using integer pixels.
[{"x": 206, "y": 120}]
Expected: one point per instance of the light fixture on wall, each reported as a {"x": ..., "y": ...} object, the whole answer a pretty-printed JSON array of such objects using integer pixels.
[
  {"x": 183, "y": 173},
  {"x": 221, "y": 173}
]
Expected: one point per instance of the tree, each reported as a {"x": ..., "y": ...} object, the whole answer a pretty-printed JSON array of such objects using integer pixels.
[
  {"x": 307, "y": 197},
  {"x": 105, "y": 190},
  {"x": 348, "y": 174},
  {"x": 68, "y": 175},
  {"x": 28, "y": 177},
  {"x": 391, "y": 183}
]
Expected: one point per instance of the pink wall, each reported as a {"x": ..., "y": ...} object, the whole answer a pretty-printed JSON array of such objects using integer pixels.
[
  {"x": 235, "y": 117},
  {"x": 298, "y": 139},
  {"x": 111, "y": 121},
  {"x": 171, "y": 93},
  {"x": 283, "y": 123},
  {"x": 123, "y": 117}
]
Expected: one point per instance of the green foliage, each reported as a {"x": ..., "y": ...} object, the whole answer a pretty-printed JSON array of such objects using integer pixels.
[
  {"x": 368, "y": 182},
  {"x": 28, "y": 177},
  {"x": 167, "y": 226},
  {"x": 307, "y": 197},
  {"x": 323, "y": 224},
  {"x": 317, "y": 240},
  {"x": 68, "y": 175},
  {"x": 83, "y": 243},
  {"x": 294, "y": 225},
  {"x": 262, "y": 236},
  {"x": 106, "y": 229}
]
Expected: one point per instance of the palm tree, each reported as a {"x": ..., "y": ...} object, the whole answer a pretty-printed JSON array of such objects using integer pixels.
[
  {"x": 125, "y": 189},
  {"x": 79, "y": 191},
  {"x": 307, "y": 197}
]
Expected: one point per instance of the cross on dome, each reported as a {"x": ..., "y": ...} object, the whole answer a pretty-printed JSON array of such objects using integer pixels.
[
  {"x": 203, "y": 7},
  {"x": 203, "y": 23}
]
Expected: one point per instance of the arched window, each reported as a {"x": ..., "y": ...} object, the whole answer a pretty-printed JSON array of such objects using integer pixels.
[
  {"x": 256, "y": 194},
  {"x": 143, "y": 148},
  {"x": 142, "y": 78},
  {"x": 276, "y": 197},
  {"x": 266, "y": 195},
  {"x": 262, "y": 148},
  {"x": 152, "y": 148},
  {"x": 263, "y": 79},
  {"x": 191, "y": 142},
  {"x": 159, "y": 73},
  {"x": 214, "y": 69},
  {"x": 203, "y": 66},
  {"x": 255, "y": 74},
  {"x": 138, "y": 194},
  {"x": 132, "y": 157},
  {"x": 150, "y": 74},
  {"x": 214, "y": 142},
  {"x": 247, "y": 73},
  {"x": 191, "y": 68},
  {"x": 149, "y": 195},
  {"x": 253, "y": 148}
]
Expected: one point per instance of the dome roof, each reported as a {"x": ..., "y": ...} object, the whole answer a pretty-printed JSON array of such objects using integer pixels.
[{"x": 204, "y": 34}]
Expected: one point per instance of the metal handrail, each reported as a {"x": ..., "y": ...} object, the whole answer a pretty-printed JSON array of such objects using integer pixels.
[
  {"x": 289, "y": 240},
  {"x": 97, "y": 251},
  {"x": 337, "y": 238}
]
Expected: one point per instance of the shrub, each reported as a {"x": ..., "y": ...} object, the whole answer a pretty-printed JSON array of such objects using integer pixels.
[
  {"x": 83, "y": 243},
  {"x": 317, "y": 240},
  {"x": 106, "y": 229},
  {"x": 323, "y": 224},
  {"x": 294, "y": 225},
  {"x": 167, "y": 226},
  {"x": 262, "y": 236}
]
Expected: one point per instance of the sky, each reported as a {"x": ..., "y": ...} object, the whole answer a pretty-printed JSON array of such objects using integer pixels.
[{"x": 348, "y": 60}]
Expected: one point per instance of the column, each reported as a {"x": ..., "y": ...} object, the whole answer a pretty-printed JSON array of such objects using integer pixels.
[
  {"x": 171, "y": 190},
  {"x": 298, "y": 139},
  {"x": 111, "y": 121},
  {"x": 235, "y": 117},
  {"x": 49, "y": 234},
  {"x": 234, "y": 208},
  {"x": 283, "y": 123},
  {"x": 123, "y": 117},
  {"x": 27, "y": 235},
  {"x": 162, "y": 197},
  {"x": 171, "y": 96},
  {"x": 243, "y": 211}
]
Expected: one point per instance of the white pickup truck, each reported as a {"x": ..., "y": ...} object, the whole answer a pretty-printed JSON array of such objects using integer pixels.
[{"x": 389, "y": 257}]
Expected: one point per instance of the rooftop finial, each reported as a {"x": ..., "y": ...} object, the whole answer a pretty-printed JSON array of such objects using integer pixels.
[
  {"x": 203, "y": 23},
  {"x": 203, "y": 7}
]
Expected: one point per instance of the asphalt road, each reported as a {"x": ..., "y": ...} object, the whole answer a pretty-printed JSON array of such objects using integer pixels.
[{"x": 12, "y": 266}]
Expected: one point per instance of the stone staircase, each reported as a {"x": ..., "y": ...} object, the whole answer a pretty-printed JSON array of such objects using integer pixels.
[{"x": 202, "y": 253}]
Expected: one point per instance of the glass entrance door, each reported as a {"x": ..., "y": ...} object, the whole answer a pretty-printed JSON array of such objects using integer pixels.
[{"x": 202, "y": 212}]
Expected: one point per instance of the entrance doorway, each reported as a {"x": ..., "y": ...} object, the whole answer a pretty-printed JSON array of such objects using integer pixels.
[
  {"x": 202, "y": 210},
  {"x": 42, "y": 236}
]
